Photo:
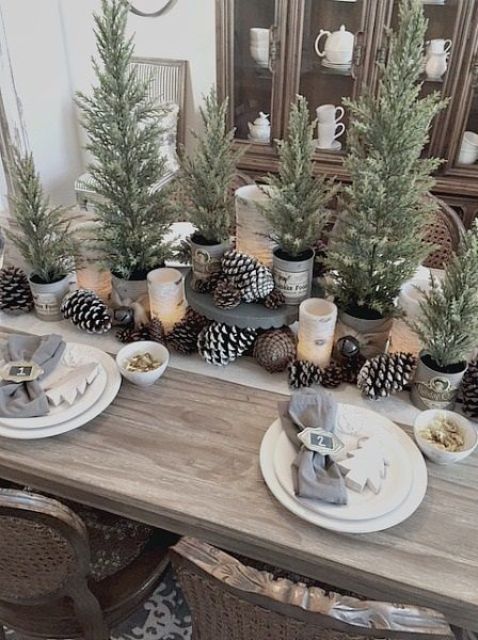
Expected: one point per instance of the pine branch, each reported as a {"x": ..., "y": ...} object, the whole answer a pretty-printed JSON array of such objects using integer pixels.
[
  {"x": 448, "y": 324},
  {"x": 297, "y": 199},
  {"x": 124, "y": 130},
  {"x": 379, "y": 241},
  {"x": 208, "y": 174},
  {"x": 44, "y": 237}
]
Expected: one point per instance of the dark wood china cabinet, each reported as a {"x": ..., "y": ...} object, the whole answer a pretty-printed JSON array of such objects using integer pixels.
[{"x": 270, "y": 50}]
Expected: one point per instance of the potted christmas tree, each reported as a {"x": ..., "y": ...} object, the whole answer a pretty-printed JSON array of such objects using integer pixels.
[
  {"x": 448, "y": 328},
  {"x": 378, "y": 243},
  {"x": 44, "y": 238},
  {"x": 123, "y": 127},
  {"x": 206, "y": 188},
  {"x": 295, "y": 207}
]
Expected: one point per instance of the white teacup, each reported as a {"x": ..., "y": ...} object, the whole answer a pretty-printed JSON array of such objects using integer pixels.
[
  {"x": 329, "y": 132},
  {"x": 469, "y": 148},
  {"x": 329, "y": 113}
]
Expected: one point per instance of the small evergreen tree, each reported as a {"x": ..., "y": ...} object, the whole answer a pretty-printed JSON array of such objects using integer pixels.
[
  {"x": 44, "y": 237},
  {"x": 448, "y": 325},
  {"x": 296, "y": 206},
  {"x": 208, "y": 174},
  {"x": 123, "y": 127},
  {"x": 380, "y": 239}
]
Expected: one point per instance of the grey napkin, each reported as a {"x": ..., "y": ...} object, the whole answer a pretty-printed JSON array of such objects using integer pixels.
[
  {"x": 27, "y": 399},
  {"x": 318, "y": 477}
]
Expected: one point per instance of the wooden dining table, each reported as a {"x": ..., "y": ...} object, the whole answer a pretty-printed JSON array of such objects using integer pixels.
[{"x": 184, "y": 455}]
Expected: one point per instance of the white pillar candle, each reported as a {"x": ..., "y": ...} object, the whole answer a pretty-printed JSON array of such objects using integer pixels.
[
  {"x": 89, "y": 273},
  {"x": 166, "y": 296},
  {"x": 252, "y": 229},
  {"x": 317, "y": 319}
]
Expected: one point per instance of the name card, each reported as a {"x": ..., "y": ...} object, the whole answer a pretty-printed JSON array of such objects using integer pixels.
[
  {"x": 20, "y": 371},
  {"x": 321, "y": 441}
]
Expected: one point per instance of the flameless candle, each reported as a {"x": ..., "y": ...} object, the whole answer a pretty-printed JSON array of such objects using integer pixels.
[
  {"x": 252, "y": 229},
  {"x": 166, "y": 296},
  {"x": 89, "y": 274},
  {"x": 317, "y": 319}
]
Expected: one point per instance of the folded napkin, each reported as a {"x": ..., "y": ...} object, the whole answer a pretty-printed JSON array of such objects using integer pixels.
[
  {"x": 318, "y": 477},
  {"x": 27, "y": 399}
]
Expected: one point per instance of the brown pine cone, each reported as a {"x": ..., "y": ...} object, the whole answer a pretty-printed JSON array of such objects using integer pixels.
[
  {"x": 156, "y": 330},
  {"x": 206, "y": 285},
  {"x": 351, "y": 368},
  {"x": 226, "y": 295},
  {"x": 332, "y": 376},
  {"x": 184, "y": 335},
  {"x": 275, "y": 349},
  {"x": 274, "y": 300},
  {"x": 130, "y": 334}
]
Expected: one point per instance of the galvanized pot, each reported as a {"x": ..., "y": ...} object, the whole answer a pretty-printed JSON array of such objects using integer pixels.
[
  {"x": 293, "y": 277},
  {"x": 435, "y": 389},
  {"x": 206, "y": 258},
  {"x": 47, "y": 298},
  {"x": 373, "y": 335}
]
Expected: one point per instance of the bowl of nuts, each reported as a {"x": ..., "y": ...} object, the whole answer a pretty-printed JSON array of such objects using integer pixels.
[
  {"x": 142, "y": 362},
  {"x": 444, "y": 436}
]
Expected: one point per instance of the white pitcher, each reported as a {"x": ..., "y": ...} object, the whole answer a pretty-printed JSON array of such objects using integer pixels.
[{"x": 438, "y": 52}]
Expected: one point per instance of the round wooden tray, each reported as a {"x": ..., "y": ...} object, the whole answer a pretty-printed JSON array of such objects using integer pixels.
[{"x": 246, "y": 315}]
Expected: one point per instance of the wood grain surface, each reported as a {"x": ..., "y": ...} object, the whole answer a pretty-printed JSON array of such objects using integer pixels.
[{"x": 184, "y": 455}]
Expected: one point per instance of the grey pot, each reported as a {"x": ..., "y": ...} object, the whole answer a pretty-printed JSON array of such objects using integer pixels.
[
  {"x": 206, "y": 258},
  {"x": 132, "y": 290},
  {"x": 47, "y": 298},
  {"x": 292, "y": 277},
  {"x": 373, "y": 335},
  {"x": 434, "y": 389}
]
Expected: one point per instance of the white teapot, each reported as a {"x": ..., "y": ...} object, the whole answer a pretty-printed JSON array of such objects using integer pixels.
[
  {"x": 339, "y": 46},
  {"x": 261, "y": 128}
]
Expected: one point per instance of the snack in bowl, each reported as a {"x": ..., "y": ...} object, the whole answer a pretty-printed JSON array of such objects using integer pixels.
[
  {"x": 444, "y": 436},
  {"x": 143, "y": 362}
]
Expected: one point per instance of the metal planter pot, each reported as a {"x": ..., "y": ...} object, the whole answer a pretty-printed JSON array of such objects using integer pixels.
[
  {"x": 127, "y": 291},
  {"x": 206, "y": 258},
  {"x": 47, "y": 298},
  {"x": 293, "y": 277},
  {"x": 434, "y": 389},
  {"x": 373, "y": 334}
]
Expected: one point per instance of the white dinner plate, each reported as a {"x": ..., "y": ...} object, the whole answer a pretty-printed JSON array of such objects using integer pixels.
[
  {"x": 391, "y": 519},
  {"x": 361, "y": 506},
  {"x": 112, "y": 387},
  {"x": 74, "y": 355}
]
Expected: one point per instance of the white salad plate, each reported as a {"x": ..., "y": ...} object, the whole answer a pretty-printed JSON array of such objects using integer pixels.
[
  {"x": 74, "y": 355},
  {"x": 394, "y": 506},
  {"x": 106, "y": 397}
]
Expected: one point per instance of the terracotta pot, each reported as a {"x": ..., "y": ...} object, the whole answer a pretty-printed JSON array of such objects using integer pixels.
[
  {"x": 206, "y": 258},
  {"x": 293, "y": 276},
  {"x": 47, "y": 298},
  {"x": 373, "y": 334},
  {"x": 435, "y": 388}
]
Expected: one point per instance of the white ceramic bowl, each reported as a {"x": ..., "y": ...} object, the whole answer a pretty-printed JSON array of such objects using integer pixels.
[
  {"x": 142, "y": 378},
  {"x": 434, "y": 453}
]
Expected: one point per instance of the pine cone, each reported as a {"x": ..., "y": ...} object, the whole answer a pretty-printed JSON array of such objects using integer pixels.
[
  {"x": 226, "y": 295},
  {"x": 275, "y": 299},
  {"x": 303, "y": 374},
  {"x": 86, "y": 311},
  {"x": 255, "y": 285},
  {"x": 386, "y": 374},
  {"x": 332, "y": 376},
  {"x": 235, "y": 263},
  {"x": 156, "y": 330},
  {"x": 15, "y": 292},
  {"x": 206, "y": 285},
  {"x": 351, "y": 368},
  {"x": 470, "y": 391},
  {"x": 220, "y": 344},
  {"x": 130, "y": 334},
  {"x": 184, "y": 335},
  {"x": 275, "y": 349}
]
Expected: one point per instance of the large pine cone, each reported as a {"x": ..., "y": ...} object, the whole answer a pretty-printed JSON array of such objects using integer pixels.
[
  {"x": 226, "y": 295},
  {"x": 470, "y": 391},
  {"x": 275, "y": 349},
  {"x": 15, "y": 292},
  {"x": 86, "y": 311},
  {"x": 184, "y": 335},
  {"x": 235, "y": 263},
  {"x": 220, "y": 344},
  {"x": 386, "y": 374},
  {"x": 255, "y": 285},
  {"x": 303, "y": 374}
]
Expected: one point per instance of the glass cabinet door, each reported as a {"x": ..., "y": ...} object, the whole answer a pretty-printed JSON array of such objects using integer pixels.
[
  {"x": 332, "y": 50},
  {"x": 254, "y": 55},
  {"x": 447, "y": 21}
]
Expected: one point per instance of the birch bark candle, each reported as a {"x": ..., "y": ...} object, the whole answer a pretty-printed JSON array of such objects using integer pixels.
[
  {"x": 317, "y": 319},
  {"x": 166, "y": 296},
  {"x": 252, "y": 229},
  {"x": 89, "y": 274}
]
